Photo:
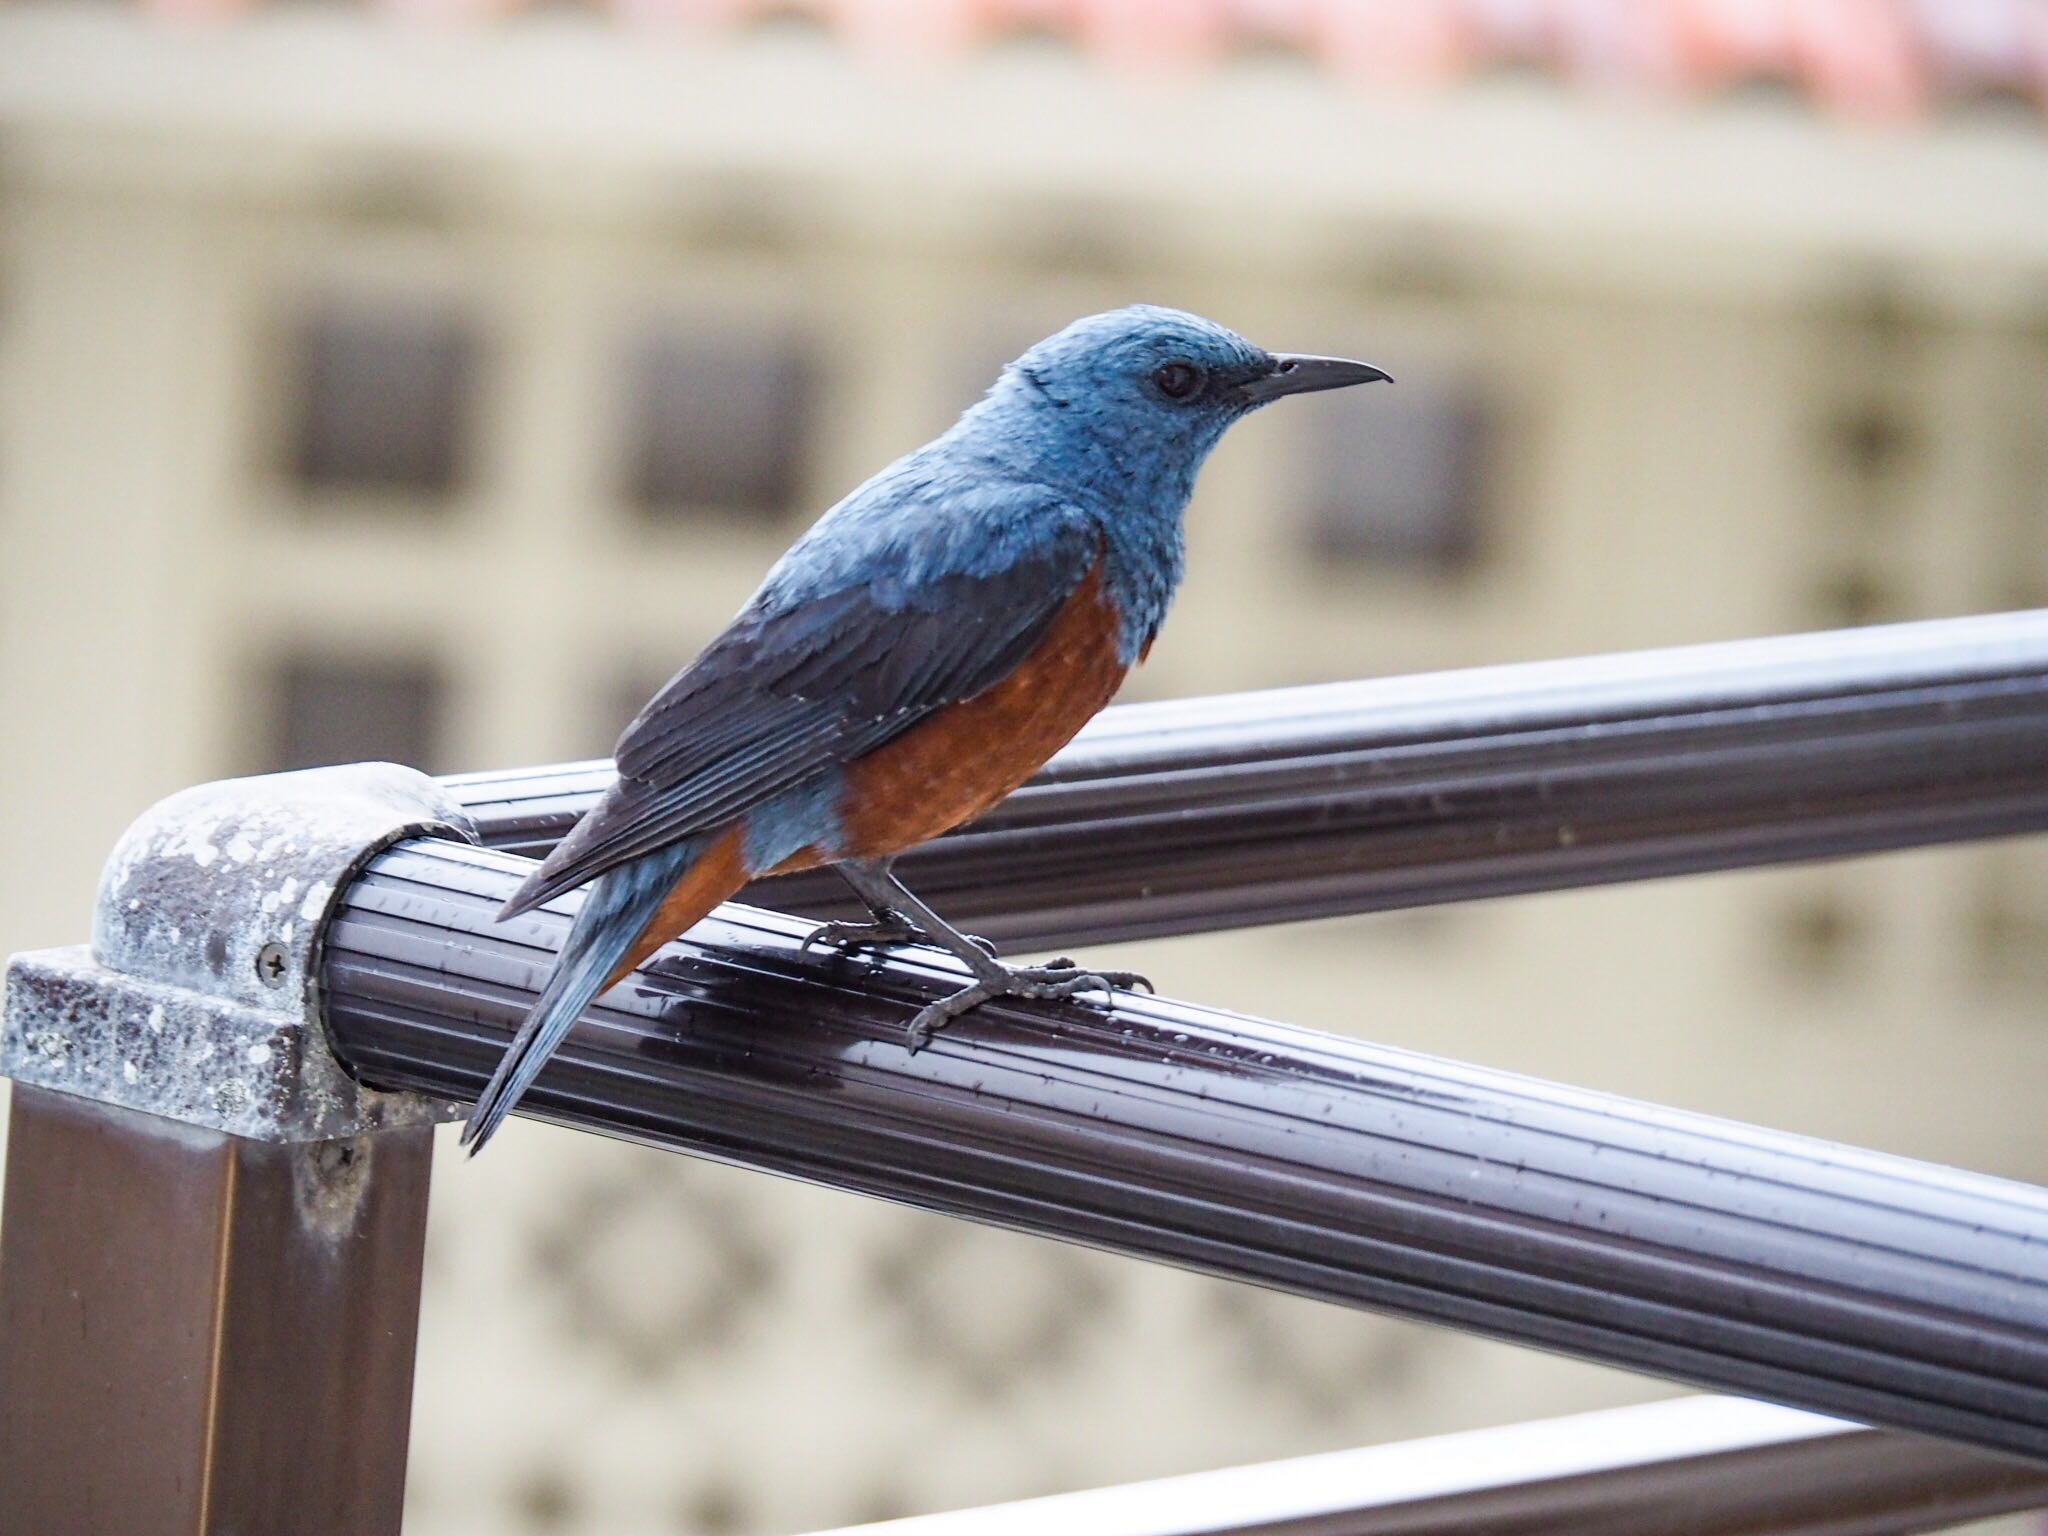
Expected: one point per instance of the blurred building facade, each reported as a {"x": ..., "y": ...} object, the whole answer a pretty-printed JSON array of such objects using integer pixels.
[{"x": 429, "y": 387}]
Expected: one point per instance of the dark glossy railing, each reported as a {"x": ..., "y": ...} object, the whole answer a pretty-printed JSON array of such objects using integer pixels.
[
  {"x": 1714, "y": 1253},
  {"x": 1355, "y": 797}
]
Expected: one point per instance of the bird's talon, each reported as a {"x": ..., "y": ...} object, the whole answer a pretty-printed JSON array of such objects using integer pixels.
[
  {"x": 1060, "y": 979},
  {"x": 882, "y": 933},
  {"x": 936, "y": 1016}
]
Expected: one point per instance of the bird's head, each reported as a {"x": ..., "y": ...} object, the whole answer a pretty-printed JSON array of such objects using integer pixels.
[{"x": 1156, "y": 383}]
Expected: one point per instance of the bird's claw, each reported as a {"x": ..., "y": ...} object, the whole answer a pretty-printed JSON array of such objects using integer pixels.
[
  {"x": 1129, "y": 981},
  {"x": 881, "y": 933},
  {"x": 887, "y": 931},
  {"x": 1060, "y": 978}
]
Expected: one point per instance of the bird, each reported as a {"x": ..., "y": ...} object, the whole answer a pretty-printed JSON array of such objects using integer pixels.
[{"x": 923, "y": 649}]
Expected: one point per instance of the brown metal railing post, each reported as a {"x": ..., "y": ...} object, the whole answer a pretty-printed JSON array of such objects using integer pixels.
[
  {"x": 211, "y": 1241},
  {"x": 202, "y": 1332}
]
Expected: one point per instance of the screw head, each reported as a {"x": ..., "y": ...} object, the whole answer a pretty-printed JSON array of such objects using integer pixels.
[{"x": 271, "y": 965}]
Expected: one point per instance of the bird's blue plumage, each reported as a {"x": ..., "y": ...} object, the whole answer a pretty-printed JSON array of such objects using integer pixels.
[
  {"x": 1071, "y": 438},
  {"x": 923, "y": 588},
  {"x": 618, "y": 906}
]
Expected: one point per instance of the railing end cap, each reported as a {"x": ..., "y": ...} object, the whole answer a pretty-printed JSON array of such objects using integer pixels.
[{"x": 198, "y": 997}]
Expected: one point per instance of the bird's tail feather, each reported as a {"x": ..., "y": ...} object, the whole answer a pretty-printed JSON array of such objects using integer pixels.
[{"x": 615, "y": 914}]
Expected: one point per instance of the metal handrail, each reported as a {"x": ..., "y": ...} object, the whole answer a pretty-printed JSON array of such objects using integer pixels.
[
  {"x": 1226, "y": 812},
  {"x": 1692, "y": 1466},
  {"x": 201, "y": 1176},
  {"x": 1845, "y": 1281}
]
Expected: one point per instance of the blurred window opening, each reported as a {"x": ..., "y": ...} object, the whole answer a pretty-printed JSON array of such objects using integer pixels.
[
  {"x": 1822, "y": 936},
  {"x": 1403, "y": 483},
  {"x": 331, "y": 708},
  {"x": 380, "y": 395},
  {"x": 718, "y": 421},
  {"x": 1854, "y": 595},
  {"x": 1875, "y": 441}
]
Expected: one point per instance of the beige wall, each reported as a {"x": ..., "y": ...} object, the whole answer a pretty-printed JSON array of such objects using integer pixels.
[{"x": 1674, "y": 313}]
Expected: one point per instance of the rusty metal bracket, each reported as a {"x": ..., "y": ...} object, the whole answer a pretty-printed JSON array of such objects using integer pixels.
[{"x": 197, "y": 999}]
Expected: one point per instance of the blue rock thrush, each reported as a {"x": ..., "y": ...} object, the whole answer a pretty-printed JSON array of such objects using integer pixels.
[{"x": 920, "y": 652}]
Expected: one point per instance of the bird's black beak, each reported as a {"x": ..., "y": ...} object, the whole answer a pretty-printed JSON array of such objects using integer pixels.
[{"x": 1292, "y": 374}]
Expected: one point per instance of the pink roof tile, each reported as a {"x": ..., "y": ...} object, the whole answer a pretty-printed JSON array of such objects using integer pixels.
[{"x": 1870, "y": 59}]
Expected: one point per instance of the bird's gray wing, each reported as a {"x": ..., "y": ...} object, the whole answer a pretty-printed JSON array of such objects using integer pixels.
[{"x": 780, "y": 697}]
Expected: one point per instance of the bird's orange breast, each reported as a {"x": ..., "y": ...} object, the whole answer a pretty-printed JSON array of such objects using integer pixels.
[
  {"x": 955, "y": 765},
  {"x": 938, "y": 774}
]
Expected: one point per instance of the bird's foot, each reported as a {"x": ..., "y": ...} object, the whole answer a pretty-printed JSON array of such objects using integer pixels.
[
  {"x": 1059, "y": 978},
  {"x": 887, "y": 930}
]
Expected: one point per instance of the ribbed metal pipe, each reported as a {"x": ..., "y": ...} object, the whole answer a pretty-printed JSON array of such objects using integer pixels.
[
  {"x": 1690, "y": 1466},
  {"x": 1254, "y": 808},
  {"x": 1844, "y": 1281}
]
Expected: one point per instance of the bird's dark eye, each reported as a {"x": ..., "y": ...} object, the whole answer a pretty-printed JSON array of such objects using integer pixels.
[{"x": 1177, "y": 381}]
